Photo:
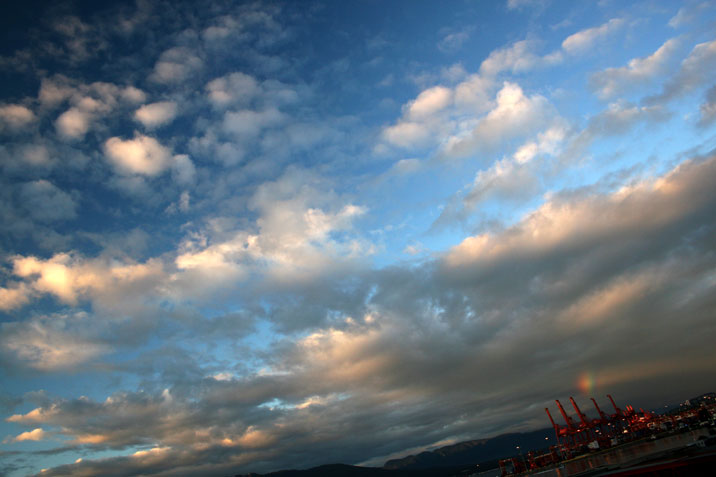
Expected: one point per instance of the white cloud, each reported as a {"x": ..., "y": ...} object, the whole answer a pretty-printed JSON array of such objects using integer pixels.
[
  {"x": 133, "y": 95},
  {"x": 175, "y": 65},
  {"x": 234, "y": 88},
  {"x": 142, "y": 155},
  {"x": 585, "y": 39},
  {"x": 512, "y": 178},
  {"x": 429, "y": 102},
  {"x": 441, "y": 114},
  {"x": 295, "y": 237},
  {"x": 73, "y": 123},
  {"x": 474, "y": 93},
  {"x": 514, "y": 114},
  {"x": 248, "y": 124},
  {"x": 613, "y": 81},
  {"x": 15, "y": 116},
  {"x": 407, "y": 134},
  {"x": 156, "y": 114},
  {"x": 548, "y": 142},
  {"x": 516, "y": 58},
  {"x": 88, "y": 103}
]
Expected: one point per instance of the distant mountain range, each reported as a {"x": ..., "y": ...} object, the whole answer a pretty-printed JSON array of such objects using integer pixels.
[
  {"x": 476, "y": 451},
  {"x": 452, "y": 460}
]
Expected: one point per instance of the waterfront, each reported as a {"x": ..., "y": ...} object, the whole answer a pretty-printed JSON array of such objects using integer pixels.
[{"x": 629, "y": 454}]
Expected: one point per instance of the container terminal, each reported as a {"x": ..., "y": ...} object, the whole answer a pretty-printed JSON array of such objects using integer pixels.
[{"x": 626, "y": 442}]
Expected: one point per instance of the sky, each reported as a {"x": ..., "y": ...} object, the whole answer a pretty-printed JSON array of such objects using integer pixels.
[{"x": 248, "y": 236}]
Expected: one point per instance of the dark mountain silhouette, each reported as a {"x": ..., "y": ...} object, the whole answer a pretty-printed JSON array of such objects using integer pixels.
[
  {"x": 343, "y": 470},
  {"x": 476, "y": 451},
  {"x": 453, "y": 460}
]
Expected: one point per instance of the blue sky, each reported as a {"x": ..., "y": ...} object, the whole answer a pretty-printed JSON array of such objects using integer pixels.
[{"x": 250, "y": 236}]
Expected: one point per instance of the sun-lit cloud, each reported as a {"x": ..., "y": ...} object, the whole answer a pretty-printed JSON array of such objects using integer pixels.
[
  {"x": 556, "y": 221},
  {"x": 294, "y": 237},
  {"x": 70, "y": 277},
  {"x": 514, "y": 114},
  {"x": 15, "y": 116},
  {"x": 141, "y": 155},
  {"x": 14, "y": 296},
  {"x": 33, "y": 435},
  {"x": 156, "y": 114},
  {"x": 429, "y": 102}
]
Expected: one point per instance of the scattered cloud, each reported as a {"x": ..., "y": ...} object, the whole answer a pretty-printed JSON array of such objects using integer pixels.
[
  {"x": 46, "y": 203},
  {"x": 514, "y": 114},
  {"x": 48, "y": 344},
  {"x": 617, "y": 119},
  {"x": 175, "y": 65},
  {"x": 156, "y": 114},
  {"x": 687, "y": 14},
  {"x": 73, "y": 123},
  {"x": 14, "y": 297},
  {"x": 141, "y": 155},
  {"x": 452, "y": 42},
  {"x": 89, "y": 103},
  {"x": 696, "y": 70},
  {"x": 614, "y": 81},
  {"x": 521, "y": 4},
  {"x": 232, "y": 89},
  {"x": 70, "y": 278},
  {"x": 295, "y": 237},
  {"x": 583, "y": 40},
  {"x": 15, "y": 116},
  {"x": 33, "y": 435},
  {"x": 517, "y": 58},
  {"x": 708, "y": 108}
]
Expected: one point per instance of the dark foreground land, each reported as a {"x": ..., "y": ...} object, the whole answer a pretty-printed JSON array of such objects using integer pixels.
[
  {"x": 343, "y": 470},
  {"x": 666, "y": 459}
]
